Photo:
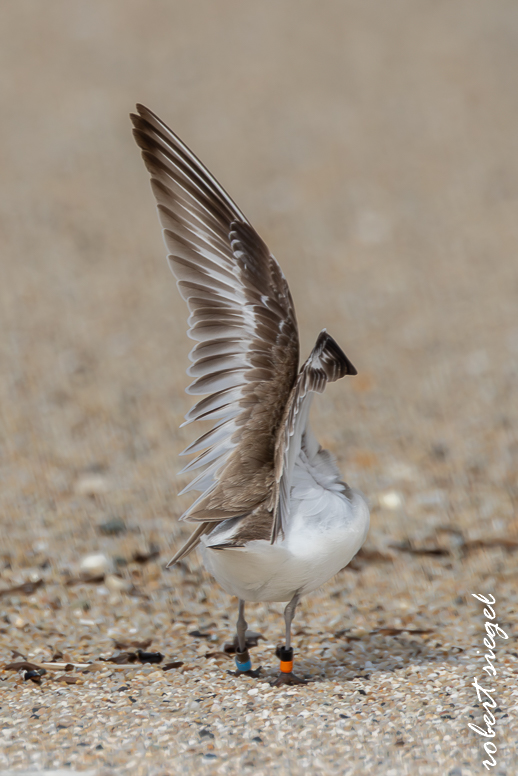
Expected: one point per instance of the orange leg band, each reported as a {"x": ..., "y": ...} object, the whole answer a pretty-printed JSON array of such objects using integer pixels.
[{"x": 286, "y": 666}]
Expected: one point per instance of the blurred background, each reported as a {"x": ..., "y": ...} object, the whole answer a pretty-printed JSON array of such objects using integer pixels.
[{"x": 374, "y": 147}]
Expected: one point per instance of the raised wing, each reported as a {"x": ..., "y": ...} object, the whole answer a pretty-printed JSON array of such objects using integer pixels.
[
  {"x": 241, "y": 315},
  {"x": 326, "y": 363}
]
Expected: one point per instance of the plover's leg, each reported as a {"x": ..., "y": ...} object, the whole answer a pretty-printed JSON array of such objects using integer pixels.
[
  {"x": 285, "y": 654},
  {"x": 243, "y": 662}
]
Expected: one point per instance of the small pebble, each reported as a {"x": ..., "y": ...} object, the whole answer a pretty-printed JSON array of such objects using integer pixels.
[
  {"x": 95, "y": 564},
  {"x": 392, "y": 499},
  {"x": 91, "y": 485}
]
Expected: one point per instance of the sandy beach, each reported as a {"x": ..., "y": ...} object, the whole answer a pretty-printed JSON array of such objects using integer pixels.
[{"x": 374, "y": 148}]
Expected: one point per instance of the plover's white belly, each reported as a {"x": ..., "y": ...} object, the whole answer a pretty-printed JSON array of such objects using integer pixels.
[{"x": 326, "y": 530}]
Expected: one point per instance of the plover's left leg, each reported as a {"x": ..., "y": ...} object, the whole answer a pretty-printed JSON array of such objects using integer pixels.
[
  {"x": 243, "y": 662},
  {"x": 285, "y": 654}
]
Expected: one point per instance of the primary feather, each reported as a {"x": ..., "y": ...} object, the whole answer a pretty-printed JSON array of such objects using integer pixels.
[{"x": 241, "y": 315}]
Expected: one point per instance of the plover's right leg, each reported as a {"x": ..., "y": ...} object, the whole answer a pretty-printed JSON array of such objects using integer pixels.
[{"x": 285, "y": 654}]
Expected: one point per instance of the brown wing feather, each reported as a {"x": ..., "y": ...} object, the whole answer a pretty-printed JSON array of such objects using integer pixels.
[
  {"x": 326, "y": 363},
  {"x": 242, "y": 316}
]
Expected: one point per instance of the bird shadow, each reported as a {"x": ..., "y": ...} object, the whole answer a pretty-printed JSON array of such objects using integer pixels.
[{"x": 360, "y": 655}]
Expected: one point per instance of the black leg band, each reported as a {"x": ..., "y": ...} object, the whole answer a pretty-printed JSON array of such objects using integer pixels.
[{"x": 284, "y": 654}]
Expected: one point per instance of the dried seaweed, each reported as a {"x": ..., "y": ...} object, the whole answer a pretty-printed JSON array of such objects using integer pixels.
[
  {"x": 124, "y": 645},
  {"x": 22, "y": 665},
  {"x": 174, "y": 664},
  {"x": 27, "y": 588}
]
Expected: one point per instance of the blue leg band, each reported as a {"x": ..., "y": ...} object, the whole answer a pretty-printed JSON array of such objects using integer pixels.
[{"x": 244, "y": 666}]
